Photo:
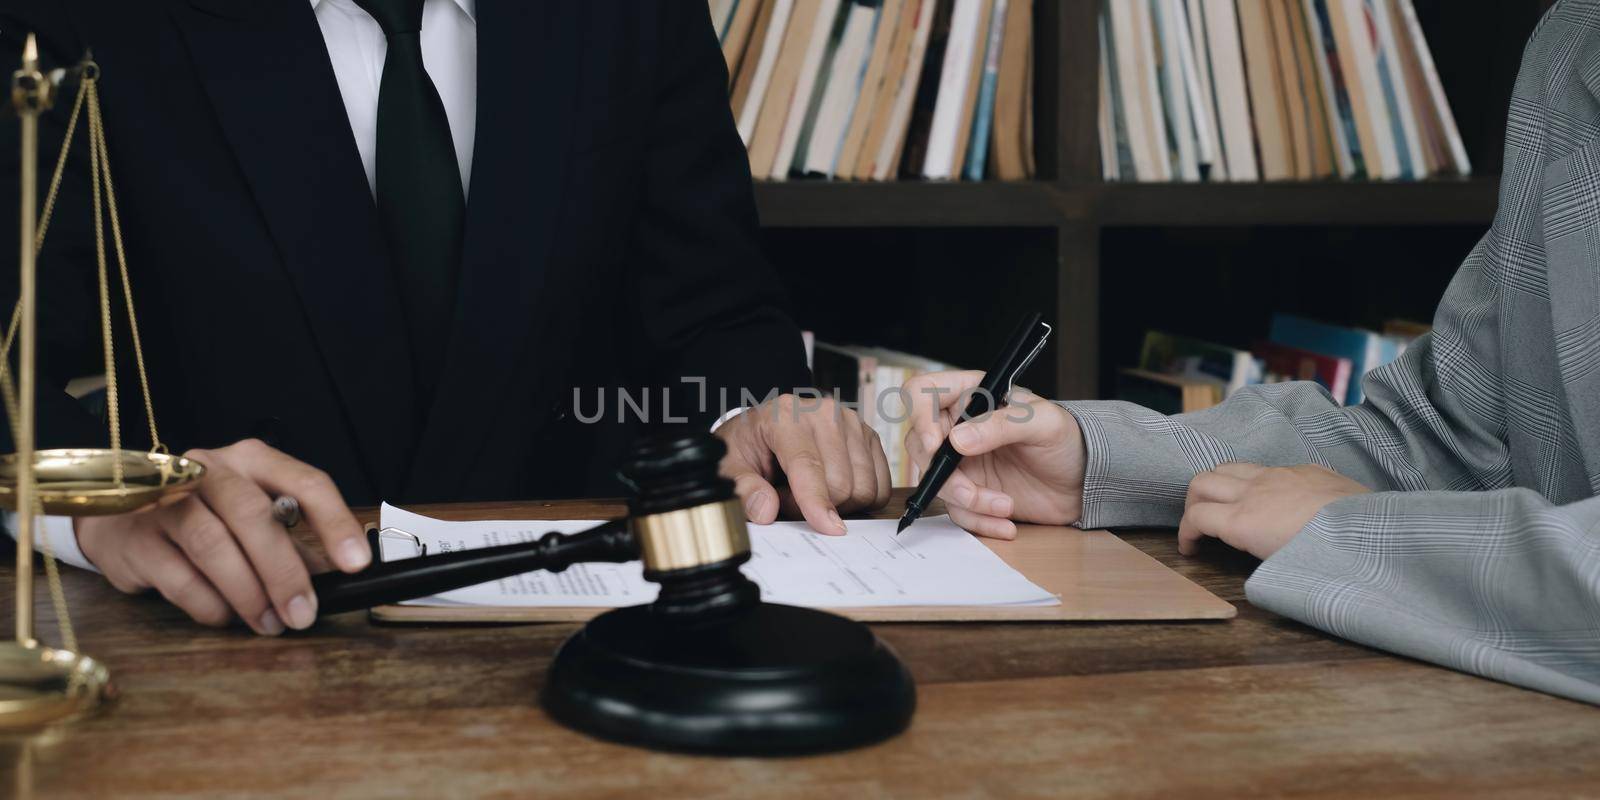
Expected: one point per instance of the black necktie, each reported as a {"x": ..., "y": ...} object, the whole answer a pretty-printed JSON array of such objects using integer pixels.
[{"x": 420, "y": 199}]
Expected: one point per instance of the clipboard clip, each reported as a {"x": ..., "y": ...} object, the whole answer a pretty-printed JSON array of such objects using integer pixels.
[{"x": 376, "y": 535}]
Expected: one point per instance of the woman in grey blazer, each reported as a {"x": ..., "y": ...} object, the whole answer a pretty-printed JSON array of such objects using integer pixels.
[{"x": 1453, "y": 515}]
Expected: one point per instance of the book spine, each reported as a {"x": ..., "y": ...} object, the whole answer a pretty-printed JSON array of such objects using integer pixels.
[
  {"x": 1441, "y": 103},
  {"x": 736, "y": 41},
  {"x": 721, "y": 13},
  {"x": 1372, "y": 113},
  {"x": 763, "y": 75},
  {"x": 1197, "y": 70},
  {"x": 1181, "y": 135},
  {"x": 969, "y": 92},
  {"x": 1228, "y": 79},
  {"x": 983, "y": 119},
  {"x": 1333, "y": 97},
  {"x": 861, "y": 99},
  {"x": 1267, "y": 113},
  {"x": 1128, "y": 111},
  {"x": 1135, "y": 72},
  {"x": 912, "y": 152},
  {"x": 1113, "y": 136},
  {"x": 1318, "y": 124},
  {"x": 802, "y": 109},
  {"x": 952, "y": 84},
  {"x": 884, "y": 30},
  {"x": 1290, "y": 97},
  {"x": 1402, "y": 126},
  {"x": 1342, "y": 98},
  {"x": 836, "y": 100},
  {"x": 894, "y": 140},
  {"x": 901, "y": 72}
]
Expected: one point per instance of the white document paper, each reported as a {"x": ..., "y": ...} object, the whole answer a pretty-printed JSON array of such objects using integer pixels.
[{"x": 934, "y": 563}]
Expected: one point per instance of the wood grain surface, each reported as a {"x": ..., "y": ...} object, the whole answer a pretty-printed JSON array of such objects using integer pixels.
[{"x": 1252, "y": 706}]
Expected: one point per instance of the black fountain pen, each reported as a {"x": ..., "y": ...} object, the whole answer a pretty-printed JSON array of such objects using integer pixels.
[{"x": 1021, "y": 348}]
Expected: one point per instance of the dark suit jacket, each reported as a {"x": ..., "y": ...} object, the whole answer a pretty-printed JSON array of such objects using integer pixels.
[{"x": 611, "y": 239}]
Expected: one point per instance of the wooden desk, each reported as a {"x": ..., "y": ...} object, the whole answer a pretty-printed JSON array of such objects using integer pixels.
[{"x": 1255, "y": 705}]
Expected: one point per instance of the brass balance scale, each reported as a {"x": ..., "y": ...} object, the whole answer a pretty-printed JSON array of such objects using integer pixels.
[{"x": 40, "y": 684}]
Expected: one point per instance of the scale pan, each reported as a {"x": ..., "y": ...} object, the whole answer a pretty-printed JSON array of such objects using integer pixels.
[
  {"x": 39, "y": 685},
  {"x": 79, "y": 483}
]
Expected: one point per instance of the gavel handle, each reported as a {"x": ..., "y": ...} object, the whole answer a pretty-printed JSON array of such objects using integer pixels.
[{"x": 391, "y": 582}]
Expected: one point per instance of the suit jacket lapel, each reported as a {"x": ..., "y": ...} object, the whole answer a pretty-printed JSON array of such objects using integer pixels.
[
  {"x": 526, "y": 58},
  {"x": 266, "y": 71}
]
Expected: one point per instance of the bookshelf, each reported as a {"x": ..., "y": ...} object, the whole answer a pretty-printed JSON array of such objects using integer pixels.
[
  {"x": 930, "y": 267},
  {"x": 822, "y": 204}
]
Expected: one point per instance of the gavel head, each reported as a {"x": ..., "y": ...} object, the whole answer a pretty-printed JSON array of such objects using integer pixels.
[{"x": 690, "y": 526}]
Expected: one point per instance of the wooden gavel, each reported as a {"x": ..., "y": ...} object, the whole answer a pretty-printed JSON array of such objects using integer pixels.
[{"x": 684, "y": 523}]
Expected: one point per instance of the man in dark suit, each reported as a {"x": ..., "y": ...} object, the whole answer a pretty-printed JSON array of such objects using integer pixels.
[{"x": 394, "y": 249}]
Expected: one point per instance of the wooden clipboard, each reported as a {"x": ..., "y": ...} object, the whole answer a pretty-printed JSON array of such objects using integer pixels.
[{"x": 1098, "y": 577}]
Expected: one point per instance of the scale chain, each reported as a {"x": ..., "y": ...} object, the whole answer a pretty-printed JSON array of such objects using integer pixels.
[
  {"x": 113, "y": 407},
  {"x": 99, "y": 133},
  {"x": 45, "y": 216}
]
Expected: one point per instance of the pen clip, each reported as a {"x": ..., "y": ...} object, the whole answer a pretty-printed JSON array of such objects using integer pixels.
[{"x": 1010, "y": 380}]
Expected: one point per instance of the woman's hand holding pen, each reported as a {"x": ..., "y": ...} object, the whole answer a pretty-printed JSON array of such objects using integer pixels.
[{"x": 1022, "y": 463}]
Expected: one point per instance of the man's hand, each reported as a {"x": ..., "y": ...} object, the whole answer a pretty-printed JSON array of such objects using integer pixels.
[
  {"x": 1022, "y": 462},
  {"x": 1257, "y": 509},
  {"x": 217, "y": 553},
  {"x": 826, "y": 459}
]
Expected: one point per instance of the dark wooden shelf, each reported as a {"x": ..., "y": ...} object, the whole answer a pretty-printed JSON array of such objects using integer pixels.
[
  {"x": 1469, "y": 201},
  {"x": 913, "y": 204}
]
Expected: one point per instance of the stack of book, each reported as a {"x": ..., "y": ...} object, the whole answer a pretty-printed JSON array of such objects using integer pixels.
[
  {"x": 872, "y": 380},
  {"x": 1247, "y": 90},
  {"x": 881, "y": 89},
  {"x": 1181, "y": 375}
]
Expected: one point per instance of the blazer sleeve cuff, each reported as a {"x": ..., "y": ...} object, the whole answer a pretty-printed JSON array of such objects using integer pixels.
[{"x": 1130, "y": 478}]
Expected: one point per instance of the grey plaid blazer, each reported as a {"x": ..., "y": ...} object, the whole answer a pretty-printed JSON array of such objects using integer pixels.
[{"x": 1480, "y": 546}]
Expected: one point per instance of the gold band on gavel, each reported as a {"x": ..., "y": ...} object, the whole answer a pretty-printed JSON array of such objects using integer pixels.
[{"x": 692, "y": 537}]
